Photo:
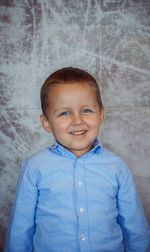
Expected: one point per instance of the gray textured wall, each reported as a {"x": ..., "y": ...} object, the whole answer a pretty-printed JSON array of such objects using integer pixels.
[{"x": 110, "y": 39}]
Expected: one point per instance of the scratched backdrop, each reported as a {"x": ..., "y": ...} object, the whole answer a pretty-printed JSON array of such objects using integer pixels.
[{"x": 110, "y": 39}]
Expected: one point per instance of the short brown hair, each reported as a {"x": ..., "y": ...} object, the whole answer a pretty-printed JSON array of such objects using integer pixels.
[{"x": 68, "y": 75}]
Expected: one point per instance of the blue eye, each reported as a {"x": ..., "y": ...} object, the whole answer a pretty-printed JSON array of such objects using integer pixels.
[
  {"x": 86, "y": 110},
  {"x": 65, "y": 113}
]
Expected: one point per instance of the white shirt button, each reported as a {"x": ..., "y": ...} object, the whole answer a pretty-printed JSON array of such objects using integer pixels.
[
  {"x": 81, "y": 209},
  {"x": 79, "y": 183},
  {"x": 82, "y": 237}
]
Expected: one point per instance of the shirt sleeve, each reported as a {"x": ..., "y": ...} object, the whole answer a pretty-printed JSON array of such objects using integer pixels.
[
  {"x": 135, "y": 228},
  {"x": 22, "y": 225}
]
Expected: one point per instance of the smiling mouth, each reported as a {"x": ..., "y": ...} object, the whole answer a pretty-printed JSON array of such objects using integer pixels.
[{"x": 78, "y": 133}]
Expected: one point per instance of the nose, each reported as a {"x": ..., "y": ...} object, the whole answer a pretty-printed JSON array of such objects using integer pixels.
[{"x": 77, "y": 119}]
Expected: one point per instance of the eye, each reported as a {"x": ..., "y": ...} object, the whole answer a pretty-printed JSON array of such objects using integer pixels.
[
  {"x": 86, "y": 110},
  {"x": 65, "y": 113}
]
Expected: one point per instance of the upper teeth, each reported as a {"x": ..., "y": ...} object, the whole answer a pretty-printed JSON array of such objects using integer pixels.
[{"x": 78, "y": 133}]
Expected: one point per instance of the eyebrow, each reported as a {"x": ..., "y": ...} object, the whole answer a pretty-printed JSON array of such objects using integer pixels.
[
  {"x": 68, "y": 108},
  {"x": 62, "y": 109},
  {"x": 89, "y": 105}
]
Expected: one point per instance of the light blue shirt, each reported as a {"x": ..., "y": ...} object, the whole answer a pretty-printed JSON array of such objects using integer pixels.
[{"x": 69, "y": 204}]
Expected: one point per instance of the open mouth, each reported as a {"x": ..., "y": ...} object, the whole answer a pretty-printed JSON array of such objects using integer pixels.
[{"x": 78, "y": 133}]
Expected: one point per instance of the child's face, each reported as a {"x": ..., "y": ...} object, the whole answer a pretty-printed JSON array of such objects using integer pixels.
[{"x": 74, "y": 116}]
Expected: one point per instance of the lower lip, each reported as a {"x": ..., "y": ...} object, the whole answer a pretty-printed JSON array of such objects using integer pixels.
[{"x": 82, "y": 134}]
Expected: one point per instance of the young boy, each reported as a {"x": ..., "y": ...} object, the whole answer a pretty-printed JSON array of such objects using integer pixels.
[{"x": 75, "y": 195}]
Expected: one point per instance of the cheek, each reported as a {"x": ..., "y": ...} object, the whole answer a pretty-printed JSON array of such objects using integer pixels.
[
  {"x": 94, "y": 123},
  {"x": 61, "y": 126}
]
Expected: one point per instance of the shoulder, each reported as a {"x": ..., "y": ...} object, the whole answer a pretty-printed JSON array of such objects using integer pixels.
[
  {"x": 119, "y": 168},
  {"x": 109, "y": 154},
  {"x": 39, "y": 156},
  {"x": 111, "y": 157},
  {"x": 114, "y": 162},
  {"x": 38, "y": 160},
  {"x": 37, "y": 165}
]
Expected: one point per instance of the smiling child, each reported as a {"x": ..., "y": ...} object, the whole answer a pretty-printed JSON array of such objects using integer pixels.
[{"x": 75, "y": 196}]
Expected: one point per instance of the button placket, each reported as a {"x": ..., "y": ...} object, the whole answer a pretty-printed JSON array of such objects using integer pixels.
[{"x": 81, "y": 199}]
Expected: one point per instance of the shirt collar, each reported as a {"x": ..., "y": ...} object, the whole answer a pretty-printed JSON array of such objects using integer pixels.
[{"x": 59, "y": 149}]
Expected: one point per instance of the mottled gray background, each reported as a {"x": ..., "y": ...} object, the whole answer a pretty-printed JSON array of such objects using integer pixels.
[{"x": 110, "y": 39}]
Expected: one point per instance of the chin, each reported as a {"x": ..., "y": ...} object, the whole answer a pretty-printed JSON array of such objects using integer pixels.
[{"x": 80, "y": 148}]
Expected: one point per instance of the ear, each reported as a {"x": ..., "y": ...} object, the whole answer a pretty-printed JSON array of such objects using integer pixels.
[
  {"x": 45, "y": 123},
  {"x": 101, "y": 116}
]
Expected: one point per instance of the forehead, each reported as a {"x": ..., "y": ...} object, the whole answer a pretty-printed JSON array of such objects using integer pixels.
[
  {"x": 71, "y": 93},
  {"x": 61, "y": 89}
]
